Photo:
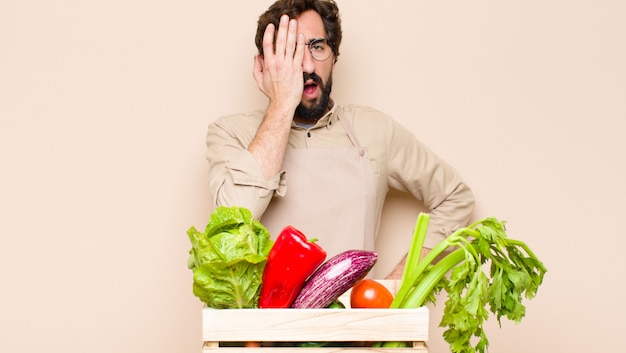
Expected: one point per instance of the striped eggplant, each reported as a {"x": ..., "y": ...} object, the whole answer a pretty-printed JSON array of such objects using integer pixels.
[{"x": 334, "y": 277}]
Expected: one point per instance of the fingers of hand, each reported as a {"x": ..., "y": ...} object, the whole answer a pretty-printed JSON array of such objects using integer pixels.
[
  {"x": 299, "y": 54},
  {"x": 268, "y": 40},
  {"x": 281, "y": 37},
  {"x": 290, "y": 45},
  {"x": 287, "y": 40},
  {"x": 279, "y": 72}
]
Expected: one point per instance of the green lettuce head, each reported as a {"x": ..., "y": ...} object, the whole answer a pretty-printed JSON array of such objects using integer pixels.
[{"x": 228, "y": 259}]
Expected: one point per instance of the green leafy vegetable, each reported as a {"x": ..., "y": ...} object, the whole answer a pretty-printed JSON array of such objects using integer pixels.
[
  {"x": 228, "y": 259},
  {"x": 514, "y": 272}
]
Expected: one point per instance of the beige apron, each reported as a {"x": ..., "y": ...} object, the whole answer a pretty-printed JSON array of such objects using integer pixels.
[{"x": 331, "y": 196}]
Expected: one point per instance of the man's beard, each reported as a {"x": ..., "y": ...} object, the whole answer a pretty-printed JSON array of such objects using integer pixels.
[{"x": 314, "y": 112}]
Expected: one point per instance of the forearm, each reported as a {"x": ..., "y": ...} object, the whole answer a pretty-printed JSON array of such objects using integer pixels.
[
  {"x": 278, "y": 74},
  {"x": 448, "y": 200},
  {"x": 453, "y": 213},
  {"x": 235, "y": 176},
  {"x": 270, "y": 141}
]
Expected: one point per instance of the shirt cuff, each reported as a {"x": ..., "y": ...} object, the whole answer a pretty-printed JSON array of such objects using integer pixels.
[{"x": 246, "y": 171}]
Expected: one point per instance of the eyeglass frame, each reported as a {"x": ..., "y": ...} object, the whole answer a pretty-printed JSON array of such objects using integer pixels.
[{"x": 318, "y": 40}]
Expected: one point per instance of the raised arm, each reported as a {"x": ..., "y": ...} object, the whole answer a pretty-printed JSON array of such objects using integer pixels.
[
  {"x": 245, "y": 156},
  {"x": 278, "y": 74}
]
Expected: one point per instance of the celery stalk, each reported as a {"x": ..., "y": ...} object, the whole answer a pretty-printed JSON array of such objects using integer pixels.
[
  {"x": 432, "y": 278},
  {"x": 412, "y": 258},
  {"x": 515, "y": 272},
  {"x": 415, "y": 253},
  {"x": 412, "y": 274}
]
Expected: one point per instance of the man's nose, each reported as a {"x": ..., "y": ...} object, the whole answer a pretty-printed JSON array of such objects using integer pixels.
[{"x": 308, "y": 63}]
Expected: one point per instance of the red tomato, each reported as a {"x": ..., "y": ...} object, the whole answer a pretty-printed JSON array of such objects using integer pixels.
[{"x": 367, "y": 293}]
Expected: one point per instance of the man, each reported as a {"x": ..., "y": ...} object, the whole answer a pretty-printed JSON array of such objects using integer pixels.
[{"x": 309, "y": 162}]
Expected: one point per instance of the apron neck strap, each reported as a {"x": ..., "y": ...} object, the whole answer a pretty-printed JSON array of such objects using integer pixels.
[{"x": 351, "y": 135}]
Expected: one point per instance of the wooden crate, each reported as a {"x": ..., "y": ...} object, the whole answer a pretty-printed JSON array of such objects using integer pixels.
[{"x": 223, "y": 329}]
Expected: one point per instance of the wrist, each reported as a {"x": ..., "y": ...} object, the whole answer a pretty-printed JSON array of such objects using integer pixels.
[{"x": 280, "y": 111}]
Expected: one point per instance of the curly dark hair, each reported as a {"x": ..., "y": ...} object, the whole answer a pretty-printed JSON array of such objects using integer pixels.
[{"x": 327, "y": 9}]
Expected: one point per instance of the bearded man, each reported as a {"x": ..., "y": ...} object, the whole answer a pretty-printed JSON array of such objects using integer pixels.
[{"x": 322, "y": 167}]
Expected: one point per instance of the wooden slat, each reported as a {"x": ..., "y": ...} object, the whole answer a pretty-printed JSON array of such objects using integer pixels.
[
  {"x": 288, "y": 325},
  {"x": 316, "y": 325}
]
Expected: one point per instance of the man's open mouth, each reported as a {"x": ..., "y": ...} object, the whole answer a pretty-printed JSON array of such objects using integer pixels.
[{"x": 310, "y": 89}]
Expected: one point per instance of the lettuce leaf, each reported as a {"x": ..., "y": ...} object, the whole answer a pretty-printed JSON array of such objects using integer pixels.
[{"x": 228, "y": 259}]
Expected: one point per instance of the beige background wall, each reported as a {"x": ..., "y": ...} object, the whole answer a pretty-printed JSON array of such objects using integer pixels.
[{"x": 104, "y": 106}]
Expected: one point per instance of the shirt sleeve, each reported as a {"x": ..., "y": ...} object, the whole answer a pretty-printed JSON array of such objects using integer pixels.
[
  {"x": 414, "y": 168},
  {"x": 235, "y": 176}
]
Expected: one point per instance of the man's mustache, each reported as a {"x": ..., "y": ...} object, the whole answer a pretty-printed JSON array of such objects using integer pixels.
[{"x": 312, "y": 76}]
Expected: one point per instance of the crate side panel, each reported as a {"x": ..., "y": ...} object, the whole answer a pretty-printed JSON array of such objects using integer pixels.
[{"x": 287, "y": 325}]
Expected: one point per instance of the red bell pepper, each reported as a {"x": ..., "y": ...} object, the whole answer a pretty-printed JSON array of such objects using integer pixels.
[{"x": 290, "y": 262}]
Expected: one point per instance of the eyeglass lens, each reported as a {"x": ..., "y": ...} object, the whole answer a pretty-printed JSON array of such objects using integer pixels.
[{"x": 319, "y": 48}]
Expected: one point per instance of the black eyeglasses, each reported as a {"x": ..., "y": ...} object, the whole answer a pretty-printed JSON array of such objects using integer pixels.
[{"x": 320, "y": 49}]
